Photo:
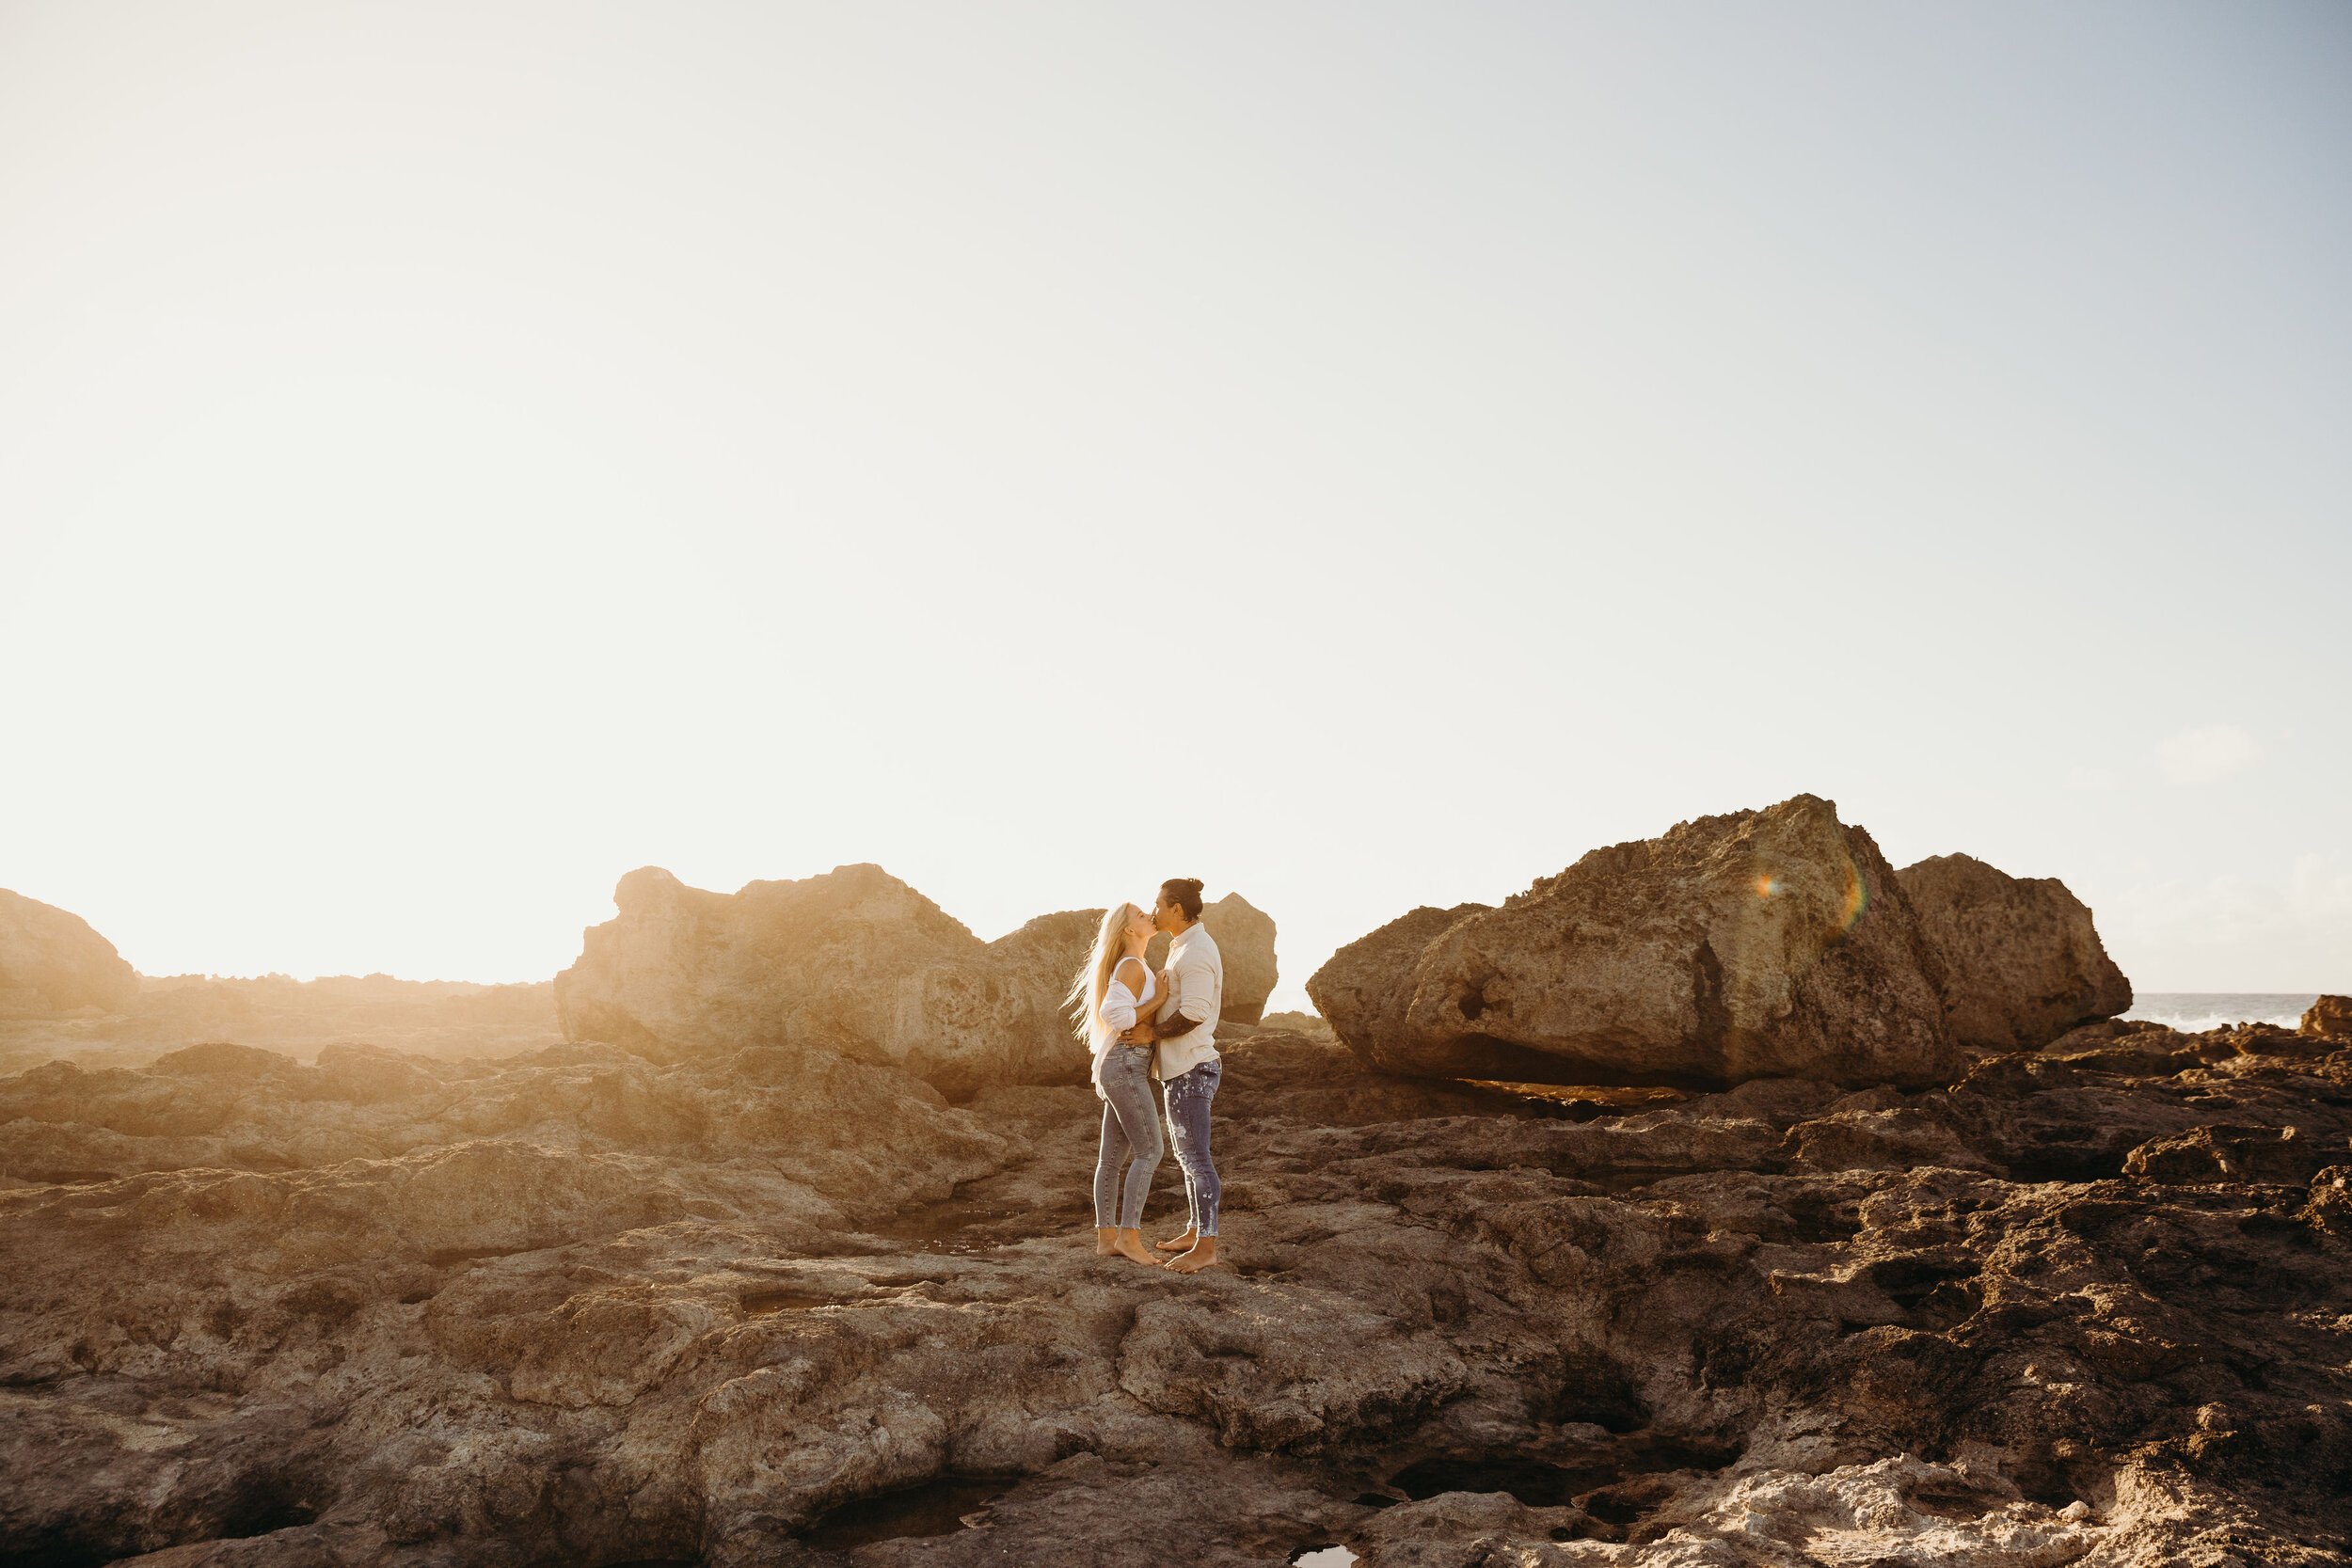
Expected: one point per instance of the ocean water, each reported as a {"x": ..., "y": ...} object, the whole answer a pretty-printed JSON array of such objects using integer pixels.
[{"x": 2192, "y": 1011}]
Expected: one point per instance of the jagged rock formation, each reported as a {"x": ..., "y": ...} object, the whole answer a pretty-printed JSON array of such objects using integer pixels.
[
  {"x": 854, "y": 956},
  {"x": 51, "y": 962},
  {"x": 582, "y": 1306},
  {"x": 2328, "y": 1015},
  {"x": 2022, "y": 962},
  {"x": 1244, "y": 940},
  {"x": 1763, "y": 944}
]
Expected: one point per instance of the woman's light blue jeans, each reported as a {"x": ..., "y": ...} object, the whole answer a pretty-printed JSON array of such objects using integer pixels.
[
  {"x": 1131, "y": 1127},
  {"x": 1188, "y": 1097}
]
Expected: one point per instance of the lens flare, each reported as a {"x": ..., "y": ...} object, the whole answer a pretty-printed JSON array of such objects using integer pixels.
[
  {"x": 1851, "y": 906},
  {"x": 1857, "y": 897}
]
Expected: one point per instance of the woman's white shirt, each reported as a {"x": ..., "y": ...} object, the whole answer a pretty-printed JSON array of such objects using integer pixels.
[{"x": 1117, "y": 1013}]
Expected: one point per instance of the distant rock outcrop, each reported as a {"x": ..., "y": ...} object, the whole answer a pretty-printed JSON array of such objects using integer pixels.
[
  {"x": 1764, "y": 943},
  {"x": 51, "y": 962},
  {"x": 454, "y": 1020},
  {"x": 2328, "y": 1016},
  {"x": 854, "y": 957},
  {"x": 2023, "y": 963}
]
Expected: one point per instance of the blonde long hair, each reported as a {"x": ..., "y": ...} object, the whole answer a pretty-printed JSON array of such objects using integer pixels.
[{"x": 1110, "y": 945}]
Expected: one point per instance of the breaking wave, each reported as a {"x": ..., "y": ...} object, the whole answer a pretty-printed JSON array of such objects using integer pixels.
[{"x": 2194, "y": 1011}]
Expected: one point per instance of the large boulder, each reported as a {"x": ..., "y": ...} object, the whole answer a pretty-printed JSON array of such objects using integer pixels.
[
  {"x": 854, "y": 958},
  {"x": 2022, "y": 964},
  {"x": 1244, "y": 935},
  {"x": 1244, "y": 940},
  {"x": 1760, "y": 944},
  {"x": 51, "y": 962},
  {"x": 1363, "y": 990}
]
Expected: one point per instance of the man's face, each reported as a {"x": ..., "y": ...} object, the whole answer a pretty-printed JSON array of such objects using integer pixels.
[{"x": 1167, "y": 915}]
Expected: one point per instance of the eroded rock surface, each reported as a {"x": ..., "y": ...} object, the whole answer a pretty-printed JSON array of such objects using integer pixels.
[
  {"x": 855, "y": 956},
  {"x": 2022, "y": 961},
  {"x": 584, "y": 1306},
  {"x": 1363, "y": 990},
  {"x": 2328, "y": 1015},
  {"x": 861, "y": 959},
  {"x": 51, "y": 962},
  {"x": 1764, "y": 943}
]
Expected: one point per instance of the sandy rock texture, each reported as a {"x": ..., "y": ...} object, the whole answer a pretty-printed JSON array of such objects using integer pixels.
[
  {"x": 51, "y": 962},
  {"x": 2328, "y": 1015},
  {"x": 786, "y": 1304},
  {"x": 855, "y": 956},
  {"x": 1762, "y": 944},
  {"x": 1758, "y": 944},
  {"x": 2022, "y": 962},
  {"x": 1365, "y": 990},
  {"x": 1245, "y": 940},
  {"x": 858, "y": 958}
]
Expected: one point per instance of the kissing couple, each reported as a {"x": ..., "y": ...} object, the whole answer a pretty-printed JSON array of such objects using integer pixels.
[{"x": 1145, "y": 1024}]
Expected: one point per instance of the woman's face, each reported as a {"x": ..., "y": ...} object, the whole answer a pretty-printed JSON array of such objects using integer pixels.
[{"x": 1138, "y": 923}]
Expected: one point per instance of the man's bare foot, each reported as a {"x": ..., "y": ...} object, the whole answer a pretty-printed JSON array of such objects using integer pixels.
[
  {"x": 1177, "y": 1243},
  {"x": 1202, "y": 1255},
  {"x": 1129, "y": 1243},
  {"x": 1105, "y": 1240}
]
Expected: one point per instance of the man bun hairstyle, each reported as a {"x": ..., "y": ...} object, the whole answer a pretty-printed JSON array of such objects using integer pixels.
[{"x": 1184, "y": 892}]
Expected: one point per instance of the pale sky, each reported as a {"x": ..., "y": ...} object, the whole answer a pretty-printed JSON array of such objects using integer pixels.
[{"x": 1358, "y": 454}]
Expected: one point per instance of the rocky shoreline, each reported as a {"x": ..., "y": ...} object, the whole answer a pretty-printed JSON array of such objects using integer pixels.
[
  {"x": 788, "y": 1300},
  {"x": 580, "y": 1308}
]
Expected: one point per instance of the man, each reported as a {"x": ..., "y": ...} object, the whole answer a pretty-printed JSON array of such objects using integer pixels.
[{"x": 1188, "y": 1067}]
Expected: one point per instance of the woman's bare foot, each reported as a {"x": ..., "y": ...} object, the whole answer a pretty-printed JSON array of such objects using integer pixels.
[
  {"x": 1177, "y": 1243},
  {"x": 1129, "y": 1243},
  {"x": 1105, "y": 1240},
  {"x": 1202, "y": 1255}
]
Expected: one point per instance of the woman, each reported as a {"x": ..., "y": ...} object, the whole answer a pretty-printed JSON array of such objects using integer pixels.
[{"x": 1108, "y": 994}]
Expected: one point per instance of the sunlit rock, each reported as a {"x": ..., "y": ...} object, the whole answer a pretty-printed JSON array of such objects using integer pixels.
[
  {"x": 774, "y": 1304},
  {"x": 51, "y": 962},
  {"x": 1244, "y": 942},
  {"x": 2328, "y": 1016},
  {"x": 2022, "y": 961},
  {"x": 1764, "y": 943},
  {"x": 855, "y": 958}
]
